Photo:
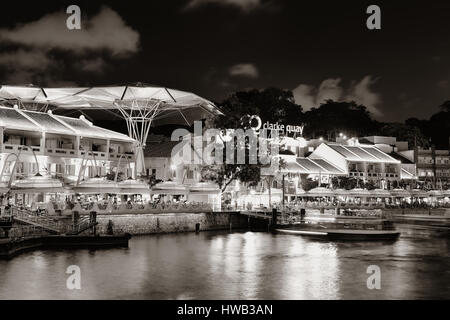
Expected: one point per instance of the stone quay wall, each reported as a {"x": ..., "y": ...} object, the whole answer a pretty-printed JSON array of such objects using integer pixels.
[{"x": 140, "y": 224}]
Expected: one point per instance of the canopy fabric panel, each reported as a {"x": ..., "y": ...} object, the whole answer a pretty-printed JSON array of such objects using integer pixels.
[
  {"x": 12, "y": 119},
  {"x": 107, "y": 97},
  {"x": 18, "y": 119},
  {"x": 362, "y": 153}
]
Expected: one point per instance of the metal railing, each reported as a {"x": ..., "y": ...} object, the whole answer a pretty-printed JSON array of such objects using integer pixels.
[{"x": 39, "y": 221}]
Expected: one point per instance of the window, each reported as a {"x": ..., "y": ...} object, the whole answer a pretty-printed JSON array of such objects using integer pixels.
[
  {"x": 59, "y": 168},
  {"x": 70, "y": 170}
]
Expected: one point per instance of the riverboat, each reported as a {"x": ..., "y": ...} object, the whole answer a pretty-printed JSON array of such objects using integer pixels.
[{"x": 343, "y": 228}]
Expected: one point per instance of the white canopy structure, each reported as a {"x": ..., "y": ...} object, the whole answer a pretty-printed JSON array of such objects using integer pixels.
[
  {"x": 132, "y": 186},
  {"x": 38, "y": 184},
  {"x": 140, "y": 105},
  {"x": 97, "y": 185}
]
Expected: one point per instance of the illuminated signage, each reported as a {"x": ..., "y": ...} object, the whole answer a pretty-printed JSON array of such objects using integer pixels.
[
  {"x": 256, "y": 124},
  {"x": 288, "y": 129}
]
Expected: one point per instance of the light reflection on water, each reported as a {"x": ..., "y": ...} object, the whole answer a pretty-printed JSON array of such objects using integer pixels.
[{"x": 241, "y": 265}]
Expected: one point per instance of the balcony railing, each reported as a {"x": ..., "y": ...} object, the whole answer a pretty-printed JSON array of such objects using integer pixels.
[
  {"x": 17, "y": 147},
  {"x": 113, "y": 156},
  {"x": 97, "y": 154},
  {"x": 378, "y": 175},
  {"x": 61, "y": 152}
]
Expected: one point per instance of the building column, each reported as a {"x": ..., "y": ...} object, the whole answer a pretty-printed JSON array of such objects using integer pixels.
[
  {"x": 383, "y": 169},
  {"x": 107, "y": 148},
  {"x": 365, "y": 171},
  {"x": 77, "y": 145},
  {"x": 42, "y": 144},
  {"x": 2, "y": 129}
]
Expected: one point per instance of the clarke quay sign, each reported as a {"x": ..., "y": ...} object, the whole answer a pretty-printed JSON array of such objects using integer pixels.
[{"x": 257, "y": 124}]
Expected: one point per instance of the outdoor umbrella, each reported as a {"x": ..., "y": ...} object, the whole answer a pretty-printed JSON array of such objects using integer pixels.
[
  {"x": 418, "y": 193},
  {"x": 38, "y": 184},
  {"x": 380, "y": 193},
  {"x": 133, "y": 186},
  {"x": 359, "y": 192},
  {"x": 97, "y": 185},
  {"x": 301, "y": 193},
  {"x": 204, "y": 188},
  {"x": 4, "y": 187},
  {"x": 400, "y": 193},
  {"x": 341, "y": 192},
  {"x": 320, "y": 192},
  {"x": 169, "y": 187},
  {"x": 436, "y": 193}
]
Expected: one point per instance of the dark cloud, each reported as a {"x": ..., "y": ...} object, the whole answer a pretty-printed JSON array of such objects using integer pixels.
[
  {"x": 309, "y": 96},
  {"x": 43, "y": 50},
  {"x": 104, "y": 31},
  {"x": 244, "y": 5},
  {"x": 248, "y": 70}
]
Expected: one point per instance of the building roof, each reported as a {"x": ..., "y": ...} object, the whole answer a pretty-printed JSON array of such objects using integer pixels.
[
  {"x": 14, "y": 118},
  {"x": 367, "y": 153},
  {"x": 400, "y": 158},
  {"x": 48, "y": 122},
  {"x": 86, "y": 129},
  {"x": 405, "y": 174},
  {"x": 298, "y": 165}
]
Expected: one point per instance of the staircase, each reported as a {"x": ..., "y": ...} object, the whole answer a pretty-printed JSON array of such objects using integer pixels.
[
  {"x": 83, "y": 225},
  {"x": 24, "y": 216}
]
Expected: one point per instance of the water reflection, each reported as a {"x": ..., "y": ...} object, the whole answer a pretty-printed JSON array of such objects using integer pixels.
[{"x": 246, "y": 265}]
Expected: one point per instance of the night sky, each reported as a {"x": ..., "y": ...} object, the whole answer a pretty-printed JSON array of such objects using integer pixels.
[{"x": 317, "y": 49}]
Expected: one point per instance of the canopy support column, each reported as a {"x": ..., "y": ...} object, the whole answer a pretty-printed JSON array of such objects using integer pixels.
[{"x": 139, "y": 115}]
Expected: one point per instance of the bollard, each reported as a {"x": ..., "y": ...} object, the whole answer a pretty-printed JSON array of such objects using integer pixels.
[
  {"x": 302, "y": 212},
  {"x": 274, "y": 217},
  {"x": 93, "y": 220}
]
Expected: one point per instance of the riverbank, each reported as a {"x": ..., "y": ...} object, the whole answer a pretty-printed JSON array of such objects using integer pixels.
[
  {"x": 12, "y": 247},
  {"x": 144, "y": 224}
]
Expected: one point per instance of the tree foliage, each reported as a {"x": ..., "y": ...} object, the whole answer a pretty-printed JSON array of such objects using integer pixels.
[
  {"x": 332, "y": 117},
  {"x": 412, "y": 134}
]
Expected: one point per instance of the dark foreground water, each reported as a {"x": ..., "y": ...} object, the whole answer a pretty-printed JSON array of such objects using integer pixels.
[{"x": 245, "y": 265}]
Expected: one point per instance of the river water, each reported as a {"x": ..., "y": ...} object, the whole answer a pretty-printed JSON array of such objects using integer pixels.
[{"x": 238, "y": 265}]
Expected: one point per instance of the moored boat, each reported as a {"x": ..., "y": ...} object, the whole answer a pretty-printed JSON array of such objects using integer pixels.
[{"x": 343, "y": 229}]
